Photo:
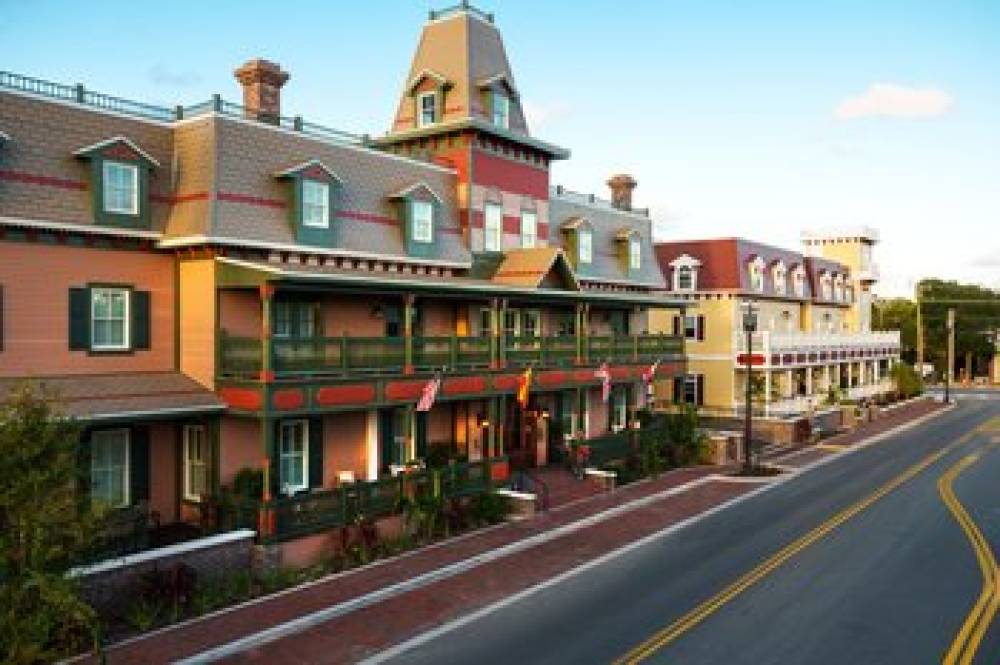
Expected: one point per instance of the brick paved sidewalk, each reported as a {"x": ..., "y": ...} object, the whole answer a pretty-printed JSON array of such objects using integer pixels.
[{"x": 192, "y": 637}]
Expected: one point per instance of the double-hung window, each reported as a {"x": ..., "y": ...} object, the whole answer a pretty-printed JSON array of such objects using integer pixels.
[
  {"x": 586, "y": 246},
  {"x": 619, "y": 409},
  {"x": 315, "y": 204},
  {"x": 109, "y": 468},
  {"x": 426, "y": 109},
  {"x": 493, "y": 228},
  {"x": 195, "y": 462},
  {"x": 293, "y": 451},
  {"x": 423, "y": 221},
  {"x": 121, "y": 188},
  {"x": 634, "y": 254},
  {"x": 529, "y": 229},
  {"x": 690, "y": 327},
  {"x": 685, "y": 278},
  {"x": 501, "y": 110},
  {"x": 109, "y": 316}
]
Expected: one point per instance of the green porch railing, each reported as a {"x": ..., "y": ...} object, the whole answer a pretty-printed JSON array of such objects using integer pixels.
[
  {"x": 242, "y": 356},
  {"x": 312, "y": 512}
]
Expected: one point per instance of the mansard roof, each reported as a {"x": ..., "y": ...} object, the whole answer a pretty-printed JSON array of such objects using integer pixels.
[{"x": 607, "y": 224}]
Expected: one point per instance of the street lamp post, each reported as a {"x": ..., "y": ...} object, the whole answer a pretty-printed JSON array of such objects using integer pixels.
[
  {"x": 749, "y": 327},
  {"x": 951, "y": 355}
]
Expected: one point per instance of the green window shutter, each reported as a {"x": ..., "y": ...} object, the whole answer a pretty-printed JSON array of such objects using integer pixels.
[
  {"x": 274, "y": 453},
  {"x": 139, "y": 465},
  {"x": 140, "y": 319},
  {"x": 387, "y": 438},
  {"x": 83, "y": 470},
  {"x": 79, "y": 318},
  {"x": 678, "y": 389},
  {"x": 315, "y": 453},
  {"x": 421, "y": 434}
]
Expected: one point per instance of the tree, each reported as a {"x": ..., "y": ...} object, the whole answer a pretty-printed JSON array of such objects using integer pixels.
[{"x": 43, "y": 528}]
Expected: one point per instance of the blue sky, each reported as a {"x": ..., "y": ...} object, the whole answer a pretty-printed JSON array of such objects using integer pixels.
[{"x": 736, "y": 117}]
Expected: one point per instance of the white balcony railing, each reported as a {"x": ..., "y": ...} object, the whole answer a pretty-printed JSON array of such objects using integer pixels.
[{"x": 798, "y": 348}]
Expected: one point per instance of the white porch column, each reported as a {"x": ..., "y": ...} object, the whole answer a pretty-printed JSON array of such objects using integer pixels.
[
  {"x": 826, "y": 378},
  {"x": 371, "y": 445},
  {"x": 789, "y": 383},
  {"x": 809, "y": 381}
]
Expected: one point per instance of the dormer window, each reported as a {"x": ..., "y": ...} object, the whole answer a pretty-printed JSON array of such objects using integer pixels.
[
  {"x": 493, "y": 228},
  {"x": 779, "y": 276},
  {"x": 585, "y": 251},
  {"x": 685, "y": 273},
  {"x": 634, "y": 253},
  {"x": 799, "y": 282},
  {"x": 313, "y": 190},
  {"x": 121, "y": 188},
  {"x": 756, "y": 274},
  {"x": 423, "y": 222},
  {"x": 315, "y": 204},
  {"x": 426, "y": 109},
  {"x": 119, "y": 172},
  {"x": 501, "y": 110},
  {"x": 826, "y": 286}
]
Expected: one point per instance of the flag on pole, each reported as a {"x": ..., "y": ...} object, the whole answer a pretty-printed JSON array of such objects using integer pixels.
[
  {"x": 604, "y": 374},
  {"x": 429, "y": 393},
  {"x": 650, "y": 373},
  {"x": 523, "y": 388}
]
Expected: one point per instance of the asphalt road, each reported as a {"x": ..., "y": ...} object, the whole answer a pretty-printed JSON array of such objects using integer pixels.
[{"x": 891, "y": 583}]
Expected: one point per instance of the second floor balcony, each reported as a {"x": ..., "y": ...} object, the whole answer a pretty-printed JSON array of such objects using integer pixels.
[
  {"x": 244, "y": 357},
  {"x": 802, "y": 348}
]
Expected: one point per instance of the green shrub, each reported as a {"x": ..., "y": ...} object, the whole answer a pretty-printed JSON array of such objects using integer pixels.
[{"x": 907, "y": 381}]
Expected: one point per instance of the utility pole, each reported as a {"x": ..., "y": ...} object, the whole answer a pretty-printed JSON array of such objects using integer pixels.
[
  {"x": 951, "y": 355},
  {"x": 920, "y": 337},
  {"x": 749, "y": 326}
]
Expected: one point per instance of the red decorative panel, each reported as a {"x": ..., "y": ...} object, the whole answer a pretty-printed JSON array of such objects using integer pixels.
[
  {"x": 352, "y": 394},
  {"x": 510, "y": 176},
  {"x": 404, "y": 390},
  {"x": 464, "y": 384},
  {"x": 288, "y": 399},
  {"x": 543, "y": 231},
  {"x": 512, "y": 225},
  {"x": 752, "y": 359},
  {"x": 505, "y": 382},
  {"x": 242, "y": 398},
  {"x": 621, "y": 372},
  {"x": 584, "y": 375},
  {"x": 552, "y": 378}
]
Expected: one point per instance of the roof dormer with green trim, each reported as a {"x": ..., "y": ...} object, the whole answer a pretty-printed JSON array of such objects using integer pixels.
[
  {"x": 420, "y": 212},
  {"x": 119, "y": 182},
  {"x": 314, "y": 192}
]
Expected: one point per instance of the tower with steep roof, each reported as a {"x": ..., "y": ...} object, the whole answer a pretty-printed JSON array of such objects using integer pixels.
[{"x": 460, "y": 106}]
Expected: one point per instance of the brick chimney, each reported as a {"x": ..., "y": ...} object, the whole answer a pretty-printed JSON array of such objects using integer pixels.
[
  {"x": 621, "y": 190},
  {"x": 262, "y": 81}
]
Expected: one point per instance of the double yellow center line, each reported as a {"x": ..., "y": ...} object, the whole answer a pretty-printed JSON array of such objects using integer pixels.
[
  {"x": 963, "y": 649},
  {"x": 685, "y": 623}
]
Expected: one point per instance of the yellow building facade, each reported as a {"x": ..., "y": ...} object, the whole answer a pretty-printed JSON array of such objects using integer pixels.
[{"x": 813, "y": 342}]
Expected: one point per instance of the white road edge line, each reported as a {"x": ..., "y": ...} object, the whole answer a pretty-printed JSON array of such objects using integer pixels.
[
  {"x": 307, "y": 621},
  {"x": 434, "y": 633}
]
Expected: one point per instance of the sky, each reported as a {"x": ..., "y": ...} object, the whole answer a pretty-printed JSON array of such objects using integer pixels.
[{"x": 758, "y": 119}]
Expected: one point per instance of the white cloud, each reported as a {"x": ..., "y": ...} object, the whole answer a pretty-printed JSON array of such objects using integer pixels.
[
  {"x": 540, "y": 115},
  {"x": 895, "y": 101}
]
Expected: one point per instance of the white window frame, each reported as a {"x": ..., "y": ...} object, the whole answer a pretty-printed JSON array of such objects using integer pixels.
[
  {"x": 799, "y": 282},
  {"x": 529, "y": 229},
  {"x": 493, "y": 227},
  {"x": 692, "y": 279},
  {"x": 501, "y": 110},
  {"x": 423, "y": 221},
  {"x": 694, "y": 320},
  {"x": 290, "y": 425},
  {"x": 126, "y": 295},
  {"x": 619, "y": 409},
  {"x": 690, "y": 381},
  {"x": 126, "y": 470},
  {"x": 634, "y": 253},
  {"x": 585, "y": 250},
  {"x": 689, "y": 263},
  {"x": 421, "y": 122},
  {"x": 756, "y": 269},
  {"x": 310, "y": 208},
  {"x": 190, "y": 462},
  {"x": 108, "y": 190}
]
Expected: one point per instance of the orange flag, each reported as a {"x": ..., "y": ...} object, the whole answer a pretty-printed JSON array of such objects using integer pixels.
[{"x": 523, "y": 387}]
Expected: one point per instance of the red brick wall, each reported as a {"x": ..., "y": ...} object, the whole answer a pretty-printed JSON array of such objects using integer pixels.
[{"x": 37, "y": 278}]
